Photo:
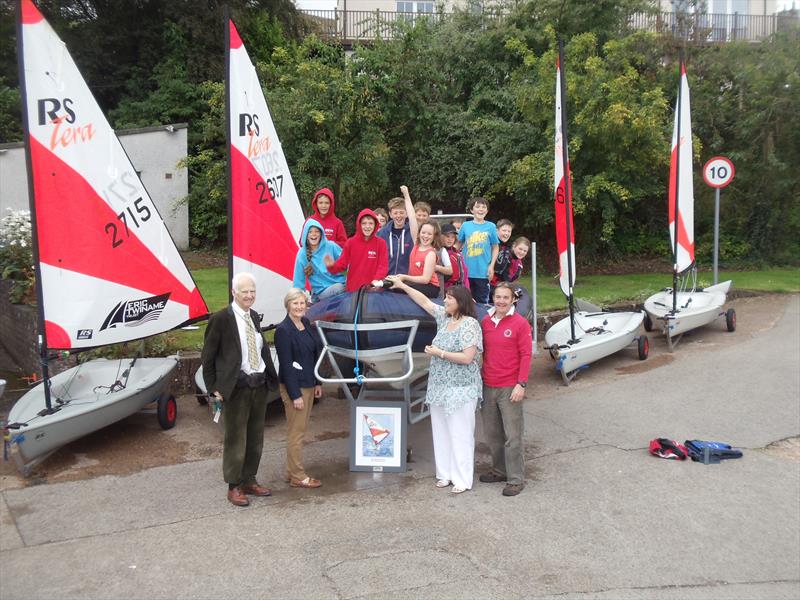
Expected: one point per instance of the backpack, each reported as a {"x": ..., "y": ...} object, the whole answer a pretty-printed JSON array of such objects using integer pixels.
[{"x": 710, "y": 452}]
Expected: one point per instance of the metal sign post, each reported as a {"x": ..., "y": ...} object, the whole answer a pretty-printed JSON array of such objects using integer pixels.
[
  {"x": 717, "y": 173},
  {"x": 533, "y": 299}
]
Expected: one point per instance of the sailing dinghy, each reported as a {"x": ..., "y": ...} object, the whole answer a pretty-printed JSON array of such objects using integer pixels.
[
  {"x": 107, "y": 270},
  {"x": 585, "y": 335},
  {"x": 683, "y": 307}
]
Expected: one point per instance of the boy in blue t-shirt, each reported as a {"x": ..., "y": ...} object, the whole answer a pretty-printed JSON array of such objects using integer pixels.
[{"x": 479, "y": 244}]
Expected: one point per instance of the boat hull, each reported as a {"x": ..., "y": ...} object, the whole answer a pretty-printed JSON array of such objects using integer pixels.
[
  {"x": 599, "y": 335},
  {"x": 386, "y": 307},
  {"x": 695, "y": 309},
  {"x": 83, "y": 410}
]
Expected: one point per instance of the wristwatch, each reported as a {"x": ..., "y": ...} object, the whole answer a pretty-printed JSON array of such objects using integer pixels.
[{"x": 522, "y": 384}]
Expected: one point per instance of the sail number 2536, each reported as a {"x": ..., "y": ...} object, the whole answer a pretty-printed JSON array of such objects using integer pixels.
[
  {"x": 271, "y": 188},
  {"x": 129, "y": 218}
]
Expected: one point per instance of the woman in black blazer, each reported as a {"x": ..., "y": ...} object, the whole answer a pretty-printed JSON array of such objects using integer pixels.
[{"x": 298, "y": 350}]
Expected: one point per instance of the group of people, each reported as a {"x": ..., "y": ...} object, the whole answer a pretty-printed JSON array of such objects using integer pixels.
[
  {"x": 238, "y": 372},
  {"x": 407, "y": 243},
  {"x": 473, "y": 364}
]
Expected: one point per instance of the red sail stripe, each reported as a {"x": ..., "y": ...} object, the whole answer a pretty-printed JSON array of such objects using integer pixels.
[
  {"x": 57, "y": 337},
  {"x": 683, "y": 235},
  {"x": 71, "y": 218},
  {"x": 236, "y": 41},
  {"x": 260, "y": 231},
  {"x": 30, "y": 14}
]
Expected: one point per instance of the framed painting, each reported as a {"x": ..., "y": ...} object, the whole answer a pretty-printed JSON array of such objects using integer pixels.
[{"x": 378, "y": 436}]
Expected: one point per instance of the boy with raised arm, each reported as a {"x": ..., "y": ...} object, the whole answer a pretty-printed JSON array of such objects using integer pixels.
[{"x": 400, "y": 232}]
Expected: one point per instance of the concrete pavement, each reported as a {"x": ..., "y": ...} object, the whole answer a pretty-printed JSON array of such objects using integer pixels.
[{"x": 600, "y": 518}]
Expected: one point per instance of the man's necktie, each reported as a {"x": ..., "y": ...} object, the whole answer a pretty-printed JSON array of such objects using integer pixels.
[{"x": 252, "y": 352}]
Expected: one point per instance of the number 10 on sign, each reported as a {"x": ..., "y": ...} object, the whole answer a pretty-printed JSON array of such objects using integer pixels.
[{"x": 717, "y": 173}]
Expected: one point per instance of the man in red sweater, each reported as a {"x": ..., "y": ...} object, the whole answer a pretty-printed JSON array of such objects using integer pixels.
[
  {"x": 507, "y": 347},
  {"x": 364, "y": 255}
]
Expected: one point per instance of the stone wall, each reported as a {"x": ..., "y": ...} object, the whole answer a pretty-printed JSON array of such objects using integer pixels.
[{"x": 18, "y": 327}]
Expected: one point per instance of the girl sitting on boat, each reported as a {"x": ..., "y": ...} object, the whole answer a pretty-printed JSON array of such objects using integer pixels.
[
  {"x": 309, "y": 263},
  {"x": 422, "y": 261},
  {"x": 364, "y": 256}
]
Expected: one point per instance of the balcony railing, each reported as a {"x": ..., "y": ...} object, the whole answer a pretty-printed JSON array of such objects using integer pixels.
[
  {"x": 714, "y": 28},
  {"x": 353, "y": 26}
]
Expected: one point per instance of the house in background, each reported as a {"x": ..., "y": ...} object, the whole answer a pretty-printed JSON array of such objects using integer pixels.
[{"x": 694, "y": 21}]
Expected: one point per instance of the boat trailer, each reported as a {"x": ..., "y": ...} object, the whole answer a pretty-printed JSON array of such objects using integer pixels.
[{"x": 371, "y": 387}]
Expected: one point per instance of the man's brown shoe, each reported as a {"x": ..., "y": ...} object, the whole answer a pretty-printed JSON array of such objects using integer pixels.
[
  {"x": 236, "y": 497},
  {"x": 491, "y": 477},
  {"x": 253, "y": 489},
  {"x": 512, "y": 489}
]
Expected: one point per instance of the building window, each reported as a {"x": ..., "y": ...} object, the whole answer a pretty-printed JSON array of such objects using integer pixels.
[{"x": 415, "y": 7}]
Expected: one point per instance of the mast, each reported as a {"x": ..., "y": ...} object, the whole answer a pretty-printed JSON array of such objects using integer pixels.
[
  {"x": 677, "y": 186},
  {"x": 44, "y": 359},
  {"x": 567, "y": 189},
  {"x": 227, "y": 24}
]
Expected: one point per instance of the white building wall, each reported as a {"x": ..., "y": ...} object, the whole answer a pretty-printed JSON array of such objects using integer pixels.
[{"x": 155, "y": 153}]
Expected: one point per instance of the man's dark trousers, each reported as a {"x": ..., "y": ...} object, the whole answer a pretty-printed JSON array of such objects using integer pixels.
[{"x": 244, "y": 434}]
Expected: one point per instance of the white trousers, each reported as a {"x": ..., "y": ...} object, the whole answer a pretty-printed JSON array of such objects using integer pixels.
[{"x": 454, "y": 444}]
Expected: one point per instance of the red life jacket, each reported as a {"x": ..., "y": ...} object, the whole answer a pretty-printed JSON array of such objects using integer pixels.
[{"x": 457, "y": 262}]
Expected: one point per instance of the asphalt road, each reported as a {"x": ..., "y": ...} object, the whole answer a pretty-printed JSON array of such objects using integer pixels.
[{"x": 599, "y": 518}]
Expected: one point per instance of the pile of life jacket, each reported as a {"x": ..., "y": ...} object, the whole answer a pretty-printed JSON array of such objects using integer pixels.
[{"x": 698, "y": 450}]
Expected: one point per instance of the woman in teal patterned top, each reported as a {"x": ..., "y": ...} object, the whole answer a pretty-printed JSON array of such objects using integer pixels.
[{"x": 454, "y": 383}]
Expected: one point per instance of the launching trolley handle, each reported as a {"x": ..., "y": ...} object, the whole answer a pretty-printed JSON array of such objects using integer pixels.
[{"x": 364, "y": 355}]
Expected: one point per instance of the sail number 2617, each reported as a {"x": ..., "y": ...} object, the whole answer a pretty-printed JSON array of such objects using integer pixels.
[
  {"x": 132, "y": 216},
  {"x": 271, "y": 188}
]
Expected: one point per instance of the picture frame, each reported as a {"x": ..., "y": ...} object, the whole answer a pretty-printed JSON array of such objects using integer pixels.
[{"x": 378, "y": 436}]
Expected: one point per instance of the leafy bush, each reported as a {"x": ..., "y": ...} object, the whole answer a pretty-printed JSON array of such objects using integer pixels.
[{"x": 16, "y": 254}]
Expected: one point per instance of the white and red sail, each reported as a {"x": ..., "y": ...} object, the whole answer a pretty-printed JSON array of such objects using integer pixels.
[
  {"x": 109, "y": 270},
  {"x": 681, "y": 185},
  {"x": 376, "y": 430},
  {"x": 565, "y": 232},
  {"x": 266, "y": 218}
]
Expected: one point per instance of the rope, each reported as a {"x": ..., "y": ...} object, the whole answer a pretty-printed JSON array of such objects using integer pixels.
[{"x": 356, "y": 370}]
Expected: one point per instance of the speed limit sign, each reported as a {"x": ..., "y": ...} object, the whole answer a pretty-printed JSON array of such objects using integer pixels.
[{"x": 718, "y": 172}]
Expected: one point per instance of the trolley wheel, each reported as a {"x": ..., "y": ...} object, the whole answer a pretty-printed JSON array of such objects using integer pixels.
[
  {"x": 644, "y": 347},
  {"x": 730, "y": 319},
  {"x": 409, "y": 454},
  {"x": 167, "y": 411},
  {"x": 202, "y": 399},
  {"x": 648, "y": 322}
]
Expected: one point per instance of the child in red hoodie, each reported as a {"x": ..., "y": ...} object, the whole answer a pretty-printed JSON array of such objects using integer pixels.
[
  {"x": 324, "y": 207},
  {"x": 364, "y": 255}
]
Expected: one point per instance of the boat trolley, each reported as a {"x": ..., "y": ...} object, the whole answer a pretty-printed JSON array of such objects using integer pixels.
[{"x": 397, "y": 387}]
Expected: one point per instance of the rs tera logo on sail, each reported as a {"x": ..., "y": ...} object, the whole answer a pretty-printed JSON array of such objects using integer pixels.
[
  {"x": 63, "y": 134},
  {"x": 133, "y": 313},
  {"x": 248, "y": 126}
]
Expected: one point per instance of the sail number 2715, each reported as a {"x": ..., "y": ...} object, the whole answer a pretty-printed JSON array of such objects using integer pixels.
[{"x": 132, "y": 216}]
